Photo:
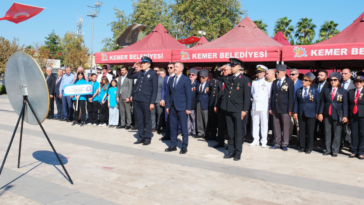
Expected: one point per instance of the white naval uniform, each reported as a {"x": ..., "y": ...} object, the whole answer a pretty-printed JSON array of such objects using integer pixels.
[{"x": 260, "y": 109}]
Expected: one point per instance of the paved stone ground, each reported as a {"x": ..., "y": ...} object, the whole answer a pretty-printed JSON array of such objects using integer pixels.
[{"x": 107, "y": 168}]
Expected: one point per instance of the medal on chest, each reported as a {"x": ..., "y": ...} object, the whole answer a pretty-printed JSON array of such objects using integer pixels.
[
  {"x": 284, "y": 87},
  {"x": 339, "y": 97},
  {"x": 360, "y": 96},
  {"x": 238, "y": 88}
]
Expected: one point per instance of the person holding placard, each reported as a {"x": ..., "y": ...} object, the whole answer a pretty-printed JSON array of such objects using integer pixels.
[
  {"x": 93, "y": 101},
  {"x": 79, "y": 101},
  {"x": 104, "y": 110},
  {"x": 113, "y": 105}
]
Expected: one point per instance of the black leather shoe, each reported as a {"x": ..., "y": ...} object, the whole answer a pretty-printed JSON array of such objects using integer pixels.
[
  {"x": 127, "y": 127},
  {"x": 308, "y": 152},
  {"x": 140, "y": 141},
  {"x": 210, "y": 139},
  {"x": 171, "y": 149},
  {"x": 334, "y": 155},
  {"x": 134, "y": 128},
  {"x": 219, "y": 145},
  {"x": 147, "y": 142},
  {"x": 183, "y": 151},
  {"x": 120, "y": 127},
  {"x": 62, "y": 119},
  {"x": 74, "y": 123},
  {"x": 326, "y": 153},
  {"x": 67, "y": 120},
  {"x": 165, "y": 138},
  {"x": 82, "y": 124},
  {"x": 230, "y": 155},
  {"x": 301, "y": 150},
  {"x": 237, "y": 158}
]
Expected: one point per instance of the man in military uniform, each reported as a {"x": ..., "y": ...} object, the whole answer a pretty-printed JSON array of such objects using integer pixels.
[
  {"x": 260, "y": 108},
  {"x": 236, "y": 103},
  {"x": 144, "y": 98},
  {"x": 192, "y": 117},
  {"x": 212, "y": 124}
]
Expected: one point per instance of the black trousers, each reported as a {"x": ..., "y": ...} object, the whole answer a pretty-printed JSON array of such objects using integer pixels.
[
  {"x": 235, "y": 131},
  {"x": 81, "y": 107},
  {"x": 51, "y": 107},
  {"x": 357, "y": 134},
  {"x": 59, "y": 107},
  {"x": 144, "y": 120},
  {"x": 212, "y": 123},
  {"x": 306, "y": 128},
  {"x": 221, "y": 123},
  {"x": 104, "y": 112},
  {"x": 92, "y": 109}
]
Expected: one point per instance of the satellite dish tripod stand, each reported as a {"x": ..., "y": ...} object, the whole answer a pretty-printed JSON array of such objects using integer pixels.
[{"x": 21, "y": 116}]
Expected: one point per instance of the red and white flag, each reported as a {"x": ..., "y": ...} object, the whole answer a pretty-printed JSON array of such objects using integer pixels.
[{"x": 21, "y": 12}]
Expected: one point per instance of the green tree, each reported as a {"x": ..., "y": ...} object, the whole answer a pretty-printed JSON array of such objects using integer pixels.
[
  {"x": 283, "y": 25},
  {"x": 305, "y": 31},
  {"x": 328, "y": 30},
  {"x": 262, "y": 26},
  {"x": 8, "y": 48},
  {"x": 212, "y": 16},
  {"x": 74, "y": 51},
  {"x": 52, "y": 44},
  {"x": 117, "y": 27}
]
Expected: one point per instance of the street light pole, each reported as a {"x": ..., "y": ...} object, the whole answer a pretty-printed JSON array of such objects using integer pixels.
[{"x": 94, "y": 12}]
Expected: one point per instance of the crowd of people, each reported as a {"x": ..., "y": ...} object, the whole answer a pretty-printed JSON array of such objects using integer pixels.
[{"x": 209, "y": 104}]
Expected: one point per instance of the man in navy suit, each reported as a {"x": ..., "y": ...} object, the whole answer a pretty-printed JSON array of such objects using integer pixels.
[
  {"x": 202, "y": 107},
  {"x": 178, "y": 106},
  {"x": 297, "y": 85},
  {"x": 144, "y": 98},
  {"x": 192, "y": 117},
  {"x": 163, "y": 99},
  {"x": 57, "y": 98},
  {"x": 281, "y": 107}
]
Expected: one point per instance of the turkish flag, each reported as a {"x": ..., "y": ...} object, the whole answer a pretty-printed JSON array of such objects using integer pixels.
[{"x": 21, "y": 12}]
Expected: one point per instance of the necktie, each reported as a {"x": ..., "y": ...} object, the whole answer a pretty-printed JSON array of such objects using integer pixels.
[
  {"x": 57, "y": 81},
  {"x": 305, "y": 94},
  {"x": 279, "y": 84},
  {"x": 343, "y": 84},
  {"x": 320, "y": 87},
  {"x": 200, "y": 88},
  {"x": 175, "y": 81},
  {"x": 356, "y": 101},
  {"x": 332, "y": 98},
  {"x": 223, "y": 86}
]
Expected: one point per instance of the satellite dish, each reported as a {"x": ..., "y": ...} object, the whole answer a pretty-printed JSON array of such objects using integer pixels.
[
  {"x": 29, "y": 97},
  {"x": 26, "y": 78}
]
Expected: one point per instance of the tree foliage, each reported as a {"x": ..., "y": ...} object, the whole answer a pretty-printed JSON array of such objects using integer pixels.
[
  {"x": 8, "y": 48},
  {"x": 262, "y": 26},
  {"x": 52, "y": 44},
  {"x": 74, "y": 51},
  {"x": 283, "y": 25},
  {"x": 212, "y": 16},
  {"x": 328, "y": 30},
  {"x": 305, "y": 31}
]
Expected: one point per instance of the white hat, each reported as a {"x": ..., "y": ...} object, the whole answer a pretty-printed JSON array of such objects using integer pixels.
[{"x": 261, "y": 68}]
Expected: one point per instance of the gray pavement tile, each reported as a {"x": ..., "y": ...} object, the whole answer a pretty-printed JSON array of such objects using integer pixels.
[
  {"x": 100, "y": 202},
  {"x": 65, "y": 202},
  {"x": 60, "y": 190},
  {"x": 81, "y": 198},
  {"x": 38, "y": 195}
]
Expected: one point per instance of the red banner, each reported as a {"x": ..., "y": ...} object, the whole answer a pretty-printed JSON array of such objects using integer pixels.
[
  {"x": 323, "y": 52},
  {"x": 131, "y": 57},
  {"x": 223, "y": 55}
]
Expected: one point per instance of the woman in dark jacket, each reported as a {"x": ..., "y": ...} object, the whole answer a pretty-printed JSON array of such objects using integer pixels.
[
  {"x": 333, "y": 105},
  {"x": 306, "y": 108},
  {"x": 356, "y": 118}
]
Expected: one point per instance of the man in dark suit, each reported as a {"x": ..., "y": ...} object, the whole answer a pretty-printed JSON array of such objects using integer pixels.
[
  {"x": 178, "y": 106},
  {"x": 322, "y": 84},
  {"x": 297, "y": 85},
  {"x": 281, "y": 107},
  {"x": 158, "y": 109},
  {"x": 144, "y": 98},
  {"x": 192, "y": 117},
  {"x": 202, "y": 106},
  {"x": 57, "y": 98},
  {"x": 134, "y": 117},
  {"x": 163, "y": 99},
  {"x": 212, "y": 123},
  {"x": 236, "y": 102},
  {"x": 347, "y": 82},
  {"x": 51, "y": 82}
]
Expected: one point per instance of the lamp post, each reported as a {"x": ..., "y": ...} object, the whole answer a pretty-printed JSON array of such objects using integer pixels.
[
  {"x": 95, "y": 10},
  {"x": 177, "y": 28}
]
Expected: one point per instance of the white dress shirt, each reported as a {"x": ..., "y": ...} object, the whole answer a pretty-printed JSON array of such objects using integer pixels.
[{"x": 303, "y": 91}]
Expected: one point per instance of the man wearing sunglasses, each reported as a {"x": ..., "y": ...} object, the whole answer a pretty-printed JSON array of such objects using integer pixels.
[
  {"x": 297, "y": 85},
  {"x": 212, "y": 115},
  {"x": 191, "y": 123},
  {"x": 162, "y": 103}
]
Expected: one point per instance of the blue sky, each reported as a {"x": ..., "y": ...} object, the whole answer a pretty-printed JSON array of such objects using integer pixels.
[{"x": 61, "y": 16}]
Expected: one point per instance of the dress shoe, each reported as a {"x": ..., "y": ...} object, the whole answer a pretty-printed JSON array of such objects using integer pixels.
[
  {"x": 237, "y": 158},
  {"x": 140, "y": 141},
  {"x": 352, "y": 155},
  {"x": 120, "y": 127},
  {"x": 127, "y": 127},
  {"x": 147, "y": 142},
  {"x": 74, "y": 123},
  {"x": 68, "y": 120},
  {"x": 62, "y": 119},
  {"x": 326, "y": 153},
  {"x": 165, "y": 138},
  {"x": 334, "y": 155},
  {"x": 183, "y": 151},
  {"x": 230, "y": 155},
  {"x": 274, "y": 147},
  {"x": 301, "y": 150},
  {"x": 82, "y": 124},
  {"x": 171, "y": 149},
  {"x": 134, "y": 128},
  {"x": 284, "y": 148},
  {"x": 308, "y": 152},
  {"x": 219, "y": 145}
]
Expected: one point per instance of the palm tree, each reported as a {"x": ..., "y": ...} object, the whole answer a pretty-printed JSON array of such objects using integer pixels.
[
  {"x": 283, "y": 26},
  {"x": 262, "y": 26},
  {"x": 328, "y": 30},
  {"x": 305, "y": 31}
]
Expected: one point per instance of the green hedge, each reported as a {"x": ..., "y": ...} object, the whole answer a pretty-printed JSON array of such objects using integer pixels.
[{"x": 2, "y": 89}]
